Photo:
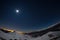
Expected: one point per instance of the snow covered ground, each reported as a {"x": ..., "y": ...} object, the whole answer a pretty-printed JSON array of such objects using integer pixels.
[
  {"x": 54, "y": 36},
  {"x": 52, "y": 33},
  {"x": 17, "y": 36}
]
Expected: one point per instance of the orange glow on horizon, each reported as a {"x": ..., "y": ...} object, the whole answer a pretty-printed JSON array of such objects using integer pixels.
[
  {"x": 19, "y": 32},
  {"x": 8, "y": 30}
]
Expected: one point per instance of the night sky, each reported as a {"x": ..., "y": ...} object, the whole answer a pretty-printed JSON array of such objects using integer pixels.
[{"x": 33, "y": 15}]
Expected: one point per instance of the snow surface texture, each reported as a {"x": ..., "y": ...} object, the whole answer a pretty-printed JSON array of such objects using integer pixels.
[
  {"x": 56, "y": 36},
  {"x": 14, "y": 35}
]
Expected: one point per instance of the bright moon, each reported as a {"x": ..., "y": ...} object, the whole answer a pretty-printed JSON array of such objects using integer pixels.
[{"x": 17, "y": 11}]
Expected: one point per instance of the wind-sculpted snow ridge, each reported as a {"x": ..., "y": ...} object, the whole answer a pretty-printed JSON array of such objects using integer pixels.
[{"x": 55, "y": 27}]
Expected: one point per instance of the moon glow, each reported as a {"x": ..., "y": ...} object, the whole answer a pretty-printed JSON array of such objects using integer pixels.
[{"x": 17, "y": 11}]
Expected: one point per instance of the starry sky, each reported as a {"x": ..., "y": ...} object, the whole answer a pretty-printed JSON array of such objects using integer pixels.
[{"x": 33, "y": 15}]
